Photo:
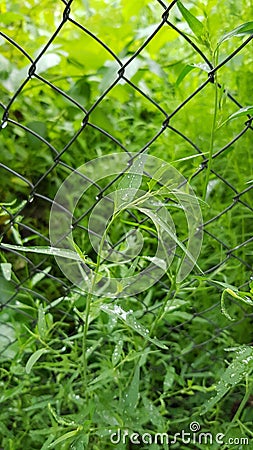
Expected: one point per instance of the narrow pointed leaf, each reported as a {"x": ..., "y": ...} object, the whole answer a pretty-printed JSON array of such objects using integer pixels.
[
  {"x": 241, "y": 366},
  {"x": 132, "y": 393},
  {"x": 184, "y": 72},
  {"x": 131, "y": 181},
  {"x": 242, "y": 30},
  {"x": 160, "y": 223},
  {"x": 34, "y": 358},
  {"x": 63, "y": 438},
  {"x": 195, "y": 25},
  {"x": 62, "y": 252},
  {"x": 130, "y": 320},
  {"x": 240, "y": 113},
  {"x": 6, "y": 270}
]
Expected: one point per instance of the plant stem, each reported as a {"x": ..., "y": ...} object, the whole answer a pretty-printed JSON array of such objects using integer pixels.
[
  {"x": 88, "y": 307},
  {"x": 243, "y": 402},
  {"x": 84, "y": 343},
  {"x": 211, "y": 145}
]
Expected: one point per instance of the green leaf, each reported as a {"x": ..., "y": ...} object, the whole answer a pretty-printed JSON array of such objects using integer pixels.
[
  {"x": 154, "y": 414},
  {"x": 241, "y": 366},
  {"x": 169, "y": 378},
  {"x": 130, "y": 182},
  {"x": 60, "y": 420},
  {"x": 7, "y": 394},
  {"x": 195, "y": 25},
  {"x": 117, "y": 352},
  {"x": 183, "y": 73},
  {"x": 130, "y": 320},
  {"x": 242, "y": 296},
  {"x": 7, "y": 290},
  {"x": 245, "y": 297},
  {"x": 18, "y": 181},
  {"x": 6, "y": 270},
  {"x": 131, "y": 396},
  {"x": 16, "y": 235},
  {"x": 39, "y": 276},
  {"x": 64, "y": 437},
  {"x": 242, "y": 30},
  {"x": 188, "y": 68},
  {"x": 9, "y": 347},
  {"x": 106, "y": 376},
  {"x": 64, "y": 253},
  {"x": 161, "y": 223},
  {"x": 34, "y": 358},
  {"x": 8, "y": 203},
  {"x": 241, "y": 112},
  {"x": 41, "y": 322},
  {"x": 133, "y": 177}
]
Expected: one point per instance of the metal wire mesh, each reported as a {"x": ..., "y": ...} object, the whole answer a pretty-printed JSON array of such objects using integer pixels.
[{"x": 34, "y": 205}]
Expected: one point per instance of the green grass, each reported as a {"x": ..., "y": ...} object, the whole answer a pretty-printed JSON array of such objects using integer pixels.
[{"x": 76, "y": 367}]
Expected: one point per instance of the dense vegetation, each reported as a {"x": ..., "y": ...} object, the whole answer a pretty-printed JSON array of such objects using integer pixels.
[{"x": 72, "y": 374}]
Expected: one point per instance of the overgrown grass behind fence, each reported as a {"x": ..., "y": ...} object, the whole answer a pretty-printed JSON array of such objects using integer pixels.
[{"x": 82, "y": 80}]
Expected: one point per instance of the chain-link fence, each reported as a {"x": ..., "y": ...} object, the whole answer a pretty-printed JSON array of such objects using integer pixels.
[{"x": 145, "y": 121}]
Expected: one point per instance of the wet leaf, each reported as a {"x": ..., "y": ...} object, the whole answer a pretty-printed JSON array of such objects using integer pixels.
[
  {"x": 130, "y": 320},
  {"x": 242, "y": 30},
  {"x": 241, "y": 366},
  {"x": 34, "y": 358},
  {"x": 240, "y": 113}
]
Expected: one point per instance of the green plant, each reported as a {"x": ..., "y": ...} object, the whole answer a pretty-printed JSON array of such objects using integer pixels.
[{"x": 76, "y": 367}]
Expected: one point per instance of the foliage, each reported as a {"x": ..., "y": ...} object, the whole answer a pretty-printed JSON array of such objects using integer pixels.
[{"x": 75, "y": 367}]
